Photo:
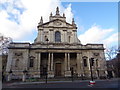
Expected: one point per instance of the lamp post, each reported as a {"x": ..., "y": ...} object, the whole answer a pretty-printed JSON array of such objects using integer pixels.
[
  {"x": 91, "y": 68},
  {"x": 91, "y": 64},
  {"x": 46, "y": 74}
]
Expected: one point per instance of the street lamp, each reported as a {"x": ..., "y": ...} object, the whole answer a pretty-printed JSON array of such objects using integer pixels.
[
  {"x": 91, "y": 63},
  {"x": 46, "y": 61}
]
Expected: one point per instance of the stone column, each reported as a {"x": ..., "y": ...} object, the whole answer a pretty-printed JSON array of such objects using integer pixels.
[
  {"x": 52, "y": 62},
  {"x": 49, "y": 61},
  {"x": 39, "y": 62},
  {"x": 78, "y": 64},
  {"x": 67, "y": 65},
  {"x": 50, "y": 66},
  {"x": 82, "y": 65},
  {"x": 65, "y": 62},
  {"x": 68, "y": 62}
]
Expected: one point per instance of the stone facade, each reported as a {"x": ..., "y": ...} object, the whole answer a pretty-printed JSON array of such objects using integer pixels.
[{"x": 58, "y": 49}]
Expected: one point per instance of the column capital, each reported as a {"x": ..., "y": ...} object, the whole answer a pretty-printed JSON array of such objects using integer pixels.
[
  {"x": 50, "y": 29},
  {"x": 40, "y": 29},
  {"x": 64, "y": 30}
]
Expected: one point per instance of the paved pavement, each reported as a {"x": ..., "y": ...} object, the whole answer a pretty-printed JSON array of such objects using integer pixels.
[{"x": 113, "y": 83}]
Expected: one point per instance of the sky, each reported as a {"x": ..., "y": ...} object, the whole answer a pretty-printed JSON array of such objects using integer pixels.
[{"x": 97, "y": 22}]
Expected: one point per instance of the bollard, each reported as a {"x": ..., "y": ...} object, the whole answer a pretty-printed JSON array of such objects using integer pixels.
[{"x": 92, "y": 82}]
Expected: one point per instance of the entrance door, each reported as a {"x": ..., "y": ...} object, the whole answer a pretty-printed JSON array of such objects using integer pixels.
[{"x": 58, "y": 69}]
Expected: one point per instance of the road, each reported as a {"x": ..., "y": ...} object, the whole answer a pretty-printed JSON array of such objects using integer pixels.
[{"x": 66, "y": 84}]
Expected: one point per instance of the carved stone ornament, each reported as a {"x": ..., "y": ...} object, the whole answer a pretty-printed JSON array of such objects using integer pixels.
[
  {"x": 18, "y": 54},
  {"x": 57, "y": 23},
  {"x": 31, "y": 57},
  {"x": 96, "y": 54},
  {"x": 84, "y": 57},
  {"x": 69, "y": 33}
]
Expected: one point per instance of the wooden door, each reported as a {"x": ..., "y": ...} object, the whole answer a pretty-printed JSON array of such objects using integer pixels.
[{"x": 58, "y": 69}]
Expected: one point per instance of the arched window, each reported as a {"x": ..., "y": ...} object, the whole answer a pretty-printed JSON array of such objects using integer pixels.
[
  {"x": 69, "y": 39},
  {"x": 57, "y": 36},
  {"x": 45, "y": 37},
  {"x": 31, "y": 62},
  {"x": 85, "y": 62}
]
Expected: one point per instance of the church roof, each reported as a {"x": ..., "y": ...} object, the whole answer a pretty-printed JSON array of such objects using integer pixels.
[
  {"x": 40, "y": 25},
  {"x": 57, "y": 17}
]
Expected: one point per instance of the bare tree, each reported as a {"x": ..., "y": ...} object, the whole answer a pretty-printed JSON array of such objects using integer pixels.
[
  {"x": 113, "y": 56},
  {"x": 4, "y": 43},
  {"x": 111, "y": 52}
]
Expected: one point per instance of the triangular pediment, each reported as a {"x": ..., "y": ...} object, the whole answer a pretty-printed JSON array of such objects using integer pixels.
[{"x": 57, "y": 23}]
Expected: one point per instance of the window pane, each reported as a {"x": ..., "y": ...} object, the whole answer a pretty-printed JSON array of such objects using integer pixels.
[
  {"x": 85, "y": 62},
  {"x": 57, "y": 37},
  {"x": 31, "y": 62}
]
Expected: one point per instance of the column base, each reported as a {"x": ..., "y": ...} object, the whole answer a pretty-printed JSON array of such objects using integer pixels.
[
  {"x": 79, "y": 75},
  {"x": 9, "y": 78},
  {"x": 24, "y": 78},
  {"x": 50, "y": 74},
  {"x": 67, "y": 73}
]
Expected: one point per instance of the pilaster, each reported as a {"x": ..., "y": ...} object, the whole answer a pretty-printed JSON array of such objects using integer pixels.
[
  {"x": 51, "y": 35},
  {"x": 41, "y": 35},
  {"x": 65, "y": 36}
]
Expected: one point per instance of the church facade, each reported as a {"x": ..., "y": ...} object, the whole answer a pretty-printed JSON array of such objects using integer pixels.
[{"x": 56, "y": 50}]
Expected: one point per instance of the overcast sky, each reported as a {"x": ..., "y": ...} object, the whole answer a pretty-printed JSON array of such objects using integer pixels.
[{"x": 97, "y": 22}]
